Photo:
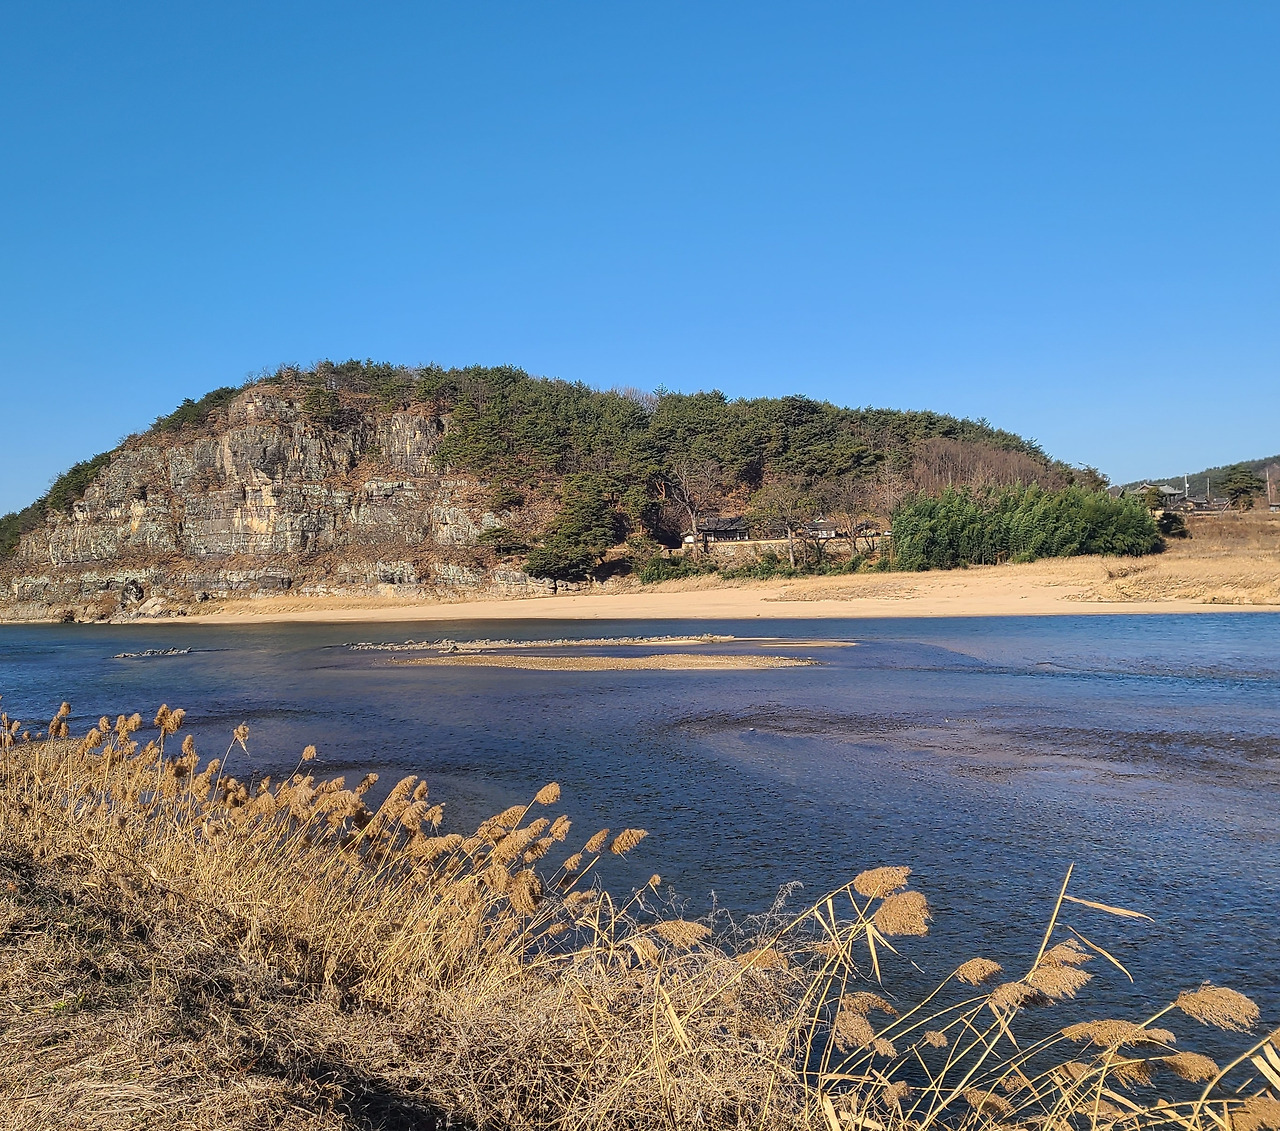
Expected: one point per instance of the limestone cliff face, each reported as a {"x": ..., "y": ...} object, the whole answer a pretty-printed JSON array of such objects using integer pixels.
[{"x": 263, "y": 500}]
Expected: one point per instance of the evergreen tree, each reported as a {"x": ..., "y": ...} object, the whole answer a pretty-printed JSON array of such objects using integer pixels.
[
  {"x": 587, "y": 526},
  {"x": 1241, "y": 486}
]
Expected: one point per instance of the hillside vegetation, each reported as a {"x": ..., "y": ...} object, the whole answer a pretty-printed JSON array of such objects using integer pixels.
[
  {"x": 1019, "y": 524},
  {"x": 579, "y": 472}
]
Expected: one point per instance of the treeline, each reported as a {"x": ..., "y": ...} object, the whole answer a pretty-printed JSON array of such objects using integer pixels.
[
  {"x": 195, "y": 414},
  {"x": 1020, "y": 524},
  {"x": 505, "y": 422}
]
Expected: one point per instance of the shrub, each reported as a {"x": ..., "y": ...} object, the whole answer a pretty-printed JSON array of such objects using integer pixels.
[
  {"x": 71, "y": 485},
  {"x": 1017, "y": 524},
  {"x": 322, "y": 405},
  {"x": 560, "y": 558},
  {"x": 660, "y": 568},
  {"x": 17, "y": 523},
  {"x": 768, "y": 565},
  {"x": 503, "y": 540},
  {"x": 771, "y": 565},
  {"x": 505, "y": 497}
]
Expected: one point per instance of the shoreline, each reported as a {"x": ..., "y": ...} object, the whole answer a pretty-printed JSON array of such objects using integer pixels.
[
  {"x": 612, "y": 608},
  {"x": 1184, "y": 580},
  {"x": 1057, "y": 587}
]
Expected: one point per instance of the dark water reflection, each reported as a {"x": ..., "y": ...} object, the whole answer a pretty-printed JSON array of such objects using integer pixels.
[{"x": 986, "y": 753}]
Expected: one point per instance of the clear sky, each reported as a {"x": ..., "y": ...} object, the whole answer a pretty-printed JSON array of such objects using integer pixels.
[{"x": 1060, "y": 216}]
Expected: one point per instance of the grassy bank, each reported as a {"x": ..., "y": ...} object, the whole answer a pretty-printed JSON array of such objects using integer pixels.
[
  {"x": 1229, "y": 559},
  {"x": 181, "y": 951}
]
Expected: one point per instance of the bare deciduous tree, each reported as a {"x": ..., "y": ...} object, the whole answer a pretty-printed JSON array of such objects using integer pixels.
[
  {"x": 847, "y": 501},
  {"x": 940, "y": 462},
  {"x": 690, "y": 482},
  {"x": 786, "y": 503},
  {"x": 890, "y": 487}
]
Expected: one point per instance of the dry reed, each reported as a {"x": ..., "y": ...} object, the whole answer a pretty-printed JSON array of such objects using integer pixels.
[{"x": 341, "y": 952}]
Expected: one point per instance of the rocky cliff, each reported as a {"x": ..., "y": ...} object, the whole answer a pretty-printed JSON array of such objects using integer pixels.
[{"x": 263, "y": 500}]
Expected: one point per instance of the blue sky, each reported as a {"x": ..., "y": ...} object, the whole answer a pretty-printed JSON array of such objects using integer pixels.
[{"x": 1062, "y": 217}]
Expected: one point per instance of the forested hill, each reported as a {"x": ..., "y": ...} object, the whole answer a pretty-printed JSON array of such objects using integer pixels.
[
  {"x": 643, "y": 464},
  {"x": 1216, "y": 476}
]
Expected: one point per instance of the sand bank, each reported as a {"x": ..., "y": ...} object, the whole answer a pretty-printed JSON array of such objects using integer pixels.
[
  {"x": 1071, "y": 587},
  {"x": 456, "y": 646},
  {"x": 674, "y": 661}
]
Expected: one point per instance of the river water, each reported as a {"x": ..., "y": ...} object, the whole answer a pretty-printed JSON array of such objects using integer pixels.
[{"x": 988, "y": 754}]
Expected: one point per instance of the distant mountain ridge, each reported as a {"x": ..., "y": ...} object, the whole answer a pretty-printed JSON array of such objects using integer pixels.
[{"x": 1196, "y": 480}]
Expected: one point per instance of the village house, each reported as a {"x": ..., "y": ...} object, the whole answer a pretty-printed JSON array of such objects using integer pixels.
[
  {"x": 1168, "y": 495},
  {"x": 729, "y": 528},
  {"x": 823, "y": 530}
]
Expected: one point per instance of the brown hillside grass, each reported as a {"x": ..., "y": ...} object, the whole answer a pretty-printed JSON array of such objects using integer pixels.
[
  {"x": 1230, "y": 559},
  {"x": 179, "y": 951}
]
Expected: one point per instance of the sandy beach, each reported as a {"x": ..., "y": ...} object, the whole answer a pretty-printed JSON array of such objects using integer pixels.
[{"x": 1071, "y": 587}]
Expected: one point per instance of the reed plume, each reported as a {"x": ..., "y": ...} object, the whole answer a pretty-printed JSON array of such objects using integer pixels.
[
  {"x": 1219, "y": 1006},
  {"x": 681, "y": 933},
  {"x": 977, "y": 971},
  {"x": 904, "y": 913},
  {"x": 626, "y": 840},
  {"x": 877, "y": 882}
]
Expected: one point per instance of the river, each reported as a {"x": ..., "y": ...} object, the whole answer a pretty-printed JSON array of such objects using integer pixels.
[{"x": 986, "y": 753}]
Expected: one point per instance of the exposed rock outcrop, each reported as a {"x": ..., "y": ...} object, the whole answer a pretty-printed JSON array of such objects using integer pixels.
[{"x": 263, "y": 500}]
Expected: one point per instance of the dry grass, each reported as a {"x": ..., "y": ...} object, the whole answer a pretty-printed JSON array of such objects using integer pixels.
[
  {"x": 1230, "y": 559},
  {"x": 179, "y": 952}
]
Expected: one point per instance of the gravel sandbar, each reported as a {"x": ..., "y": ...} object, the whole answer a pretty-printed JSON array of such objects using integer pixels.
[{"x": 674, "y": 661}]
